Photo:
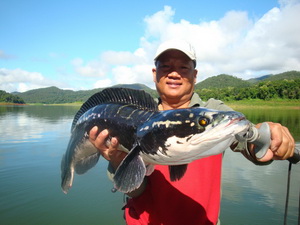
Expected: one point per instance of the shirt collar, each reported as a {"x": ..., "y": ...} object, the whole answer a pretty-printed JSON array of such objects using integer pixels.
[{"x": 195, "y": 101}]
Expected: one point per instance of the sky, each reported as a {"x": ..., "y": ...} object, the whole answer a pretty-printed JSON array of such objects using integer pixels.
[{"x": 82, "y": 45}]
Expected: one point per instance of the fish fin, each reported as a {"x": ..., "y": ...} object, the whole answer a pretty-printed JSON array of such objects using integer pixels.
[
  {"x": 139, "y": 98},
  {"x": 149, "y": 169},
  {"x": 87, "y": 163},
  {"x": 131, "y": 172},
  {"x": 67, "y": 176},
  {"x": 86, "y": 156},
  {"x": 177, "y": 172}
]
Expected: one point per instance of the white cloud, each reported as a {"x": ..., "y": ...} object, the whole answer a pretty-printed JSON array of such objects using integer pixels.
[
  {"x": 122, "y": 58},
  {"x": 235, "y": 44},
  {"x": 103, "y": 83},
  {"x": 157, "y": 23},
  {"x": 21, "y": 80},
  {"x": 136, "y": 74},
  {"x": 94, "y": 68}
]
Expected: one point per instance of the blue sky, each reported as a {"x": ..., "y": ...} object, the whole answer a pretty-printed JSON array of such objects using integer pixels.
[{"x": 88, "y": 44}]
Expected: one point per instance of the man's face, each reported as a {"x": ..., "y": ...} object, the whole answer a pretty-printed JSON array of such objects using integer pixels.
[{"x": 174, "y": 76}]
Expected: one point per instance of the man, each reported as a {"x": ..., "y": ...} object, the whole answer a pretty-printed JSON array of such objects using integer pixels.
[{"x": 195, "y": 199}]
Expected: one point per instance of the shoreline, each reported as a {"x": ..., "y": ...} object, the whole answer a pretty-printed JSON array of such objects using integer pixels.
[
  {"x": 10, "y": 103},
  {"x": 257, "y": 103},
  {"x": 252, "y": 103}
]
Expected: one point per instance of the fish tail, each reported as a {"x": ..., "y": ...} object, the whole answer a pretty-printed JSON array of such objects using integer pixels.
[
  {"x": 67, "y": 181},
  {"x": 67, "y": 176}
]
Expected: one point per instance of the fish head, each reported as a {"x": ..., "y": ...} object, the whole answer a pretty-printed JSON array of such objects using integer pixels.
[
  {"x": 217, "y": 126},
  {"x": 183, "y": 135}
]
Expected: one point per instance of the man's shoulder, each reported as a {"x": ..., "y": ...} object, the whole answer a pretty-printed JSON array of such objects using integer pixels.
[
  {"x": 210, "y": 103},
  {"x": 217, "y": 104}
]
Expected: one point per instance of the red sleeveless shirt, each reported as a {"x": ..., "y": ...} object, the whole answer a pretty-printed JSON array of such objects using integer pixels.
[{"x": 195, "y": 199}]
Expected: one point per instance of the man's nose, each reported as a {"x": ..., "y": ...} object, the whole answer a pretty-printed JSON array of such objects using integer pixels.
[{"x": 174, "y": 74}]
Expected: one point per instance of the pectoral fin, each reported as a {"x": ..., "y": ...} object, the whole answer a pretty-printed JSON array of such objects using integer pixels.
[
  {"x": 86, "y": 157},
  {"x": 177, "y": 172},
  {"x": 131, "y": 172}
]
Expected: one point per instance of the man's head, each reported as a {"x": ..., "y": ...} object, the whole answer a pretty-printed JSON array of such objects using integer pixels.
[
  {"x": 175, "y": 74},
  {"x": 180, "y": 45}
]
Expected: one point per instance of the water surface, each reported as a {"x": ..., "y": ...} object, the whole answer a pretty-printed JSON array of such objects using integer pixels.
[{"x": 34, "y": 138}]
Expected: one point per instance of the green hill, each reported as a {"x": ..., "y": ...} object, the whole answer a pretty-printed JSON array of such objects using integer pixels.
[
  {"x": 290, "y": 75},
  {"x": 225, "y": 81},
  {"x": 54, "y": 95},
  {"x": 284, "y": 85},
  {"x": 222, "y": 81}
]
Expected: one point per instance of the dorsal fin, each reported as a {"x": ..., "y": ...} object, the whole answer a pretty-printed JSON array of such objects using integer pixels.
[{"x": 138, "y": 98}]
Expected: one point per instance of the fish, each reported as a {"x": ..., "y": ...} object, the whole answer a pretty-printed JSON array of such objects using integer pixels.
[{"x": 150, "y": 137}]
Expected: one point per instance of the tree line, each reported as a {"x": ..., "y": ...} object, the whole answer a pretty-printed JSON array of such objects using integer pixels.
[
  {"x": 266, "y": 90},
  {"x": 7, "y": 97}
]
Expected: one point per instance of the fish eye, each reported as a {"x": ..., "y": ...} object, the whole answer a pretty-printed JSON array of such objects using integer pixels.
[{"x": 203, "y": 121}]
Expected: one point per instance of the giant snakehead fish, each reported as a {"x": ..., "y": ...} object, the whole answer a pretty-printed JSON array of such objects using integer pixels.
[{"x": 172, "y": 137}]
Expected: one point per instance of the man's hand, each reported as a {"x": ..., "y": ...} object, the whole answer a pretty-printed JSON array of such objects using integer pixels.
[
  {"x": 111, "y": 152},
  {"x": 282, "y": 143}
]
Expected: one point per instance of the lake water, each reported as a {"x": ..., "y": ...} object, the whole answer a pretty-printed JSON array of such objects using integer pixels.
[{"x": 34, "y": 138}]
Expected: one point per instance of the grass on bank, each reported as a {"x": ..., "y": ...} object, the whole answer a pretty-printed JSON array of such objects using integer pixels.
[{"x": 258, "y": 103}]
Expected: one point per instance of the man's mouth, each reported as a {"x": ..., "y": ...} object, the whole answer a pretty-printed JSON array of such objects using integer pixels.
[{"x": 173, "y": 84}]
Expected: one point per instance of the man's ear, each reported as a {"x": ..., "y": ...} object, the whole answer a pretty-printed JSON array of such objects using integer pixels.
[
  {"x": 195, "y": 75},
  {"x": 154, "y": 74}
]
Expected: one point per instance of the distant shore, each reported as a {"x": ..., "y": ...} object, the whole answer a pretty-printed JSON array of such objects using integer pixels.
[
  {"x": 256, "y": 103},
  {"x": 10, "y": 103}
]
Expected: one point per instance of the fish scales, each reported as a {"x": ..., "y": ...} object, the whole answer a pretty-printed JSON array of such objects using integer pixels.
[
  {"x": 151, "y": 137},
  {"x": 115, "y": 118}
]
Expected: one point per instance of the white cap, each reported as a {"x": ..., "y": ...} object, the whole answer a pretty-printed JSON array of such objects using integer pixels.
[{"x": 180, "y": 45}]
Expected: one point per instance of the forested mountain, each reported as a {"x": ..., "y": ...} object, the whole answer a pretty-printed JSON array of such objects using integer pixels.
[
  {"x": 54, "y": 95},
  {"x": 222, "y": 81},
  {"x": 224, "y": 87},
  {"x": 259, "y": 79},
  {"x": 266, "y": 90},
  {"x": 290, "y": 75},
  {"x": 6, "y": 97}
]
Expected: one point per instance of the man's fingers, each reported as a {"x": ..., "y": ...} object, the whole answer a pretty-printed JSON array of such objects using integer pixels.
[
  {"x": 100, "y": 141},
  {"x": 93, "y": 133},
  {"x": 282, "y": 144}
]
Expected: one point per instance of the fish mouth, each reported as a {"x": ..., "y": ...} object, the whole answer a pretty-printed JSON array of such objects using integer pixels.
[{"x": 236, "y": 120}]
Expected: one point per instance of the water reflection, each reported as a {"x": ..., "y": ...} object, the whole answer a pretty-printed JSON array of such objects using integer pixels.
[
  {"x": 31, "y": 147},
  {"x": 287, "y": 117},
  {"x": 34, "y": 138},
  {"x": 44, "y": 112},
  {"x": 264, "y": 187}
]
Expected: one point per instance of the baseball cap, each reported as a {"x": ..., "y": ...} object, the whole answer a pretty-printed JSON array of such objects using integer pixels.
[{"x": 180, "y": 45}]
